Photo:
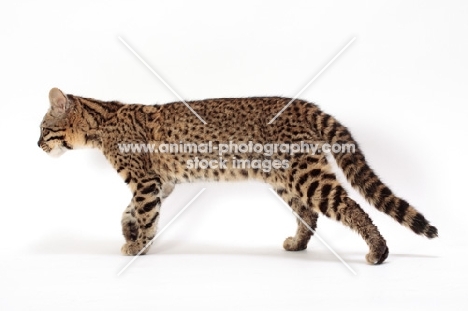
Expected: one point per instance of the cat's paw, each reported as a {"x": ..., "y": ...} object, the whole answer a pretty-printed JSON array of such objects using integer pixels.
[
  {"x": 292, "y": 245},
  {"x": 378, "y": 254},
  {"x": 134, "y": 248},
  {"x": 130, "y": 229}
]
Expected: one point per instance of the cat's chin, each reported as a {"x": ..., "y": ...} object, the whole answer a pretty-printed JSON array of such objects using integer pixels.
[{"x": 57, "y": 152}]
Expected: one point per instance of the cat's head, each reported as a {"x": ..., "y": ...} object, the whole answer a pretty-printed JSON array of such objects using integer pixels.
[{"x": 57, "y": 134}]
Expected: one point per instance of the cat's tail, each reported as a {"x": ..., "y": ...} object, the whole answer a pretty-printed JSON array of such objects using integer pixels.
[{"x": 363, "y": 178}]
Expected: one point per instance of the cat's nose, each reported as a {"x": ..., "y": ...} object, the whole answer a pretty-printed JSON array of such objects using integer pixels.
[{"x": 39, "y": 143}]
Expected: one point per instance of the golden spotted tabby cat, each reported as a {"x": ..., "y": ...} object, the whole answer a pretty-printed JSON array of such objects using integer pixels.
[{"x": 155, "y": 147}]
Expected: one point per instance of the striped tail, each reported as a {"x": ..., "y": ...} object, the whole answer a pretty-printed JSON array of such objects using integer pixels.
[{"x": 363, "y": 178}]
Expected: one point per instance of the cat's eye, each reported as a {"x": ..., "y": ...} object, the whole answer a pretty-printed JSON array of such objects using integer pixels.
[{"x": 50, "y": 129}]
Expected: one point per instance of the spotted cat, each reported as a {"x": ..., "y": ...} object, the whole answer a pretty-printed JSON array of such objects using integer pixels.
[{"x": 303, "y": 179}]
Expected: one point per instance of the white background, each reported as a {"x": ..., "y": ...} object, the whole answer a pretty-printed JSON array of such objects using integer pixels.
[{"x": 400, "y": 88}]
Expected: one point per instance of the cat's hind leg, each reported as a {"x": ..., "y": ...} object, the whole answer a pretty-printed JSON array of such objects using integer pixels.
[
  {"x": 318, "y": 188},
  {"x": 300, "y": 240},
  {"x": 331, "y": 199},
  {"x": 303, "y": 233}
]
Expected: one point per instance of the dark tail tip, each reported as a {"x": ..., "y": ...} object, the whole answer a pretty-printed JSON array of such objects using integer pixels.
[
  {"x": 431, "y": 232},
  {"x": 420, "y": 225}
]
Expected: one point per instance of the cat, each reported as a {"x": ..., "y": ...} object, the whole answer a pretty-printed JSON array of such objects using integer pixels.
[{"x": 302, "y": 179}]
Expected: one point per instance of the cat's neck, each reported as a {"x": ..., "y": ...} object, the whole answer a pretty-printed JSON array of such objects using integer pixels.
[{"x": 95, "y": 115}]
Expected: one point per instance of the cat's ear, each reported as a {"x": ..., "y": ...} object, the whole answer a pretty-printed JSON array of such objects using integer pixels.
[{"x": 59, "y": 103}]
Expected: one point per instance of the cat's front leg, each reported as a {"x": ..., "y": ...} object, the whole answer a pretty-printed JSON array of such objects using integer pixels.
[
  {"x": 130, "y": 226},
  {"x": 139, "y": 220}
]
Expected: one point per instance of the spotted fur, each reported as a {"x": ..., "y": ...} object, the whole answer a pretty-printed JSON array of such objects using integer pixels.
[{"x": 307, "y": 184}]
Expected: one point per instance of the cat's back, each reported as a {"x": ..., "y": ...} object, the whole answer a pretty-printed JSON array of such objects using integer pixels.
[
  {"x": 232, "y": 118},
  {"x": 220, "y": 110}
]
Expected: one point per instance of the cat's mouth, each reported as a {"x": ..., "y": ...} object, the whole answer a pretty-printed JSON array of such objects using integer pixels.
[
  {"x": 54, "y": 152},
  {"x": 44, "y": 146}
]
